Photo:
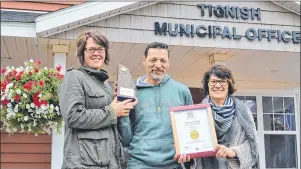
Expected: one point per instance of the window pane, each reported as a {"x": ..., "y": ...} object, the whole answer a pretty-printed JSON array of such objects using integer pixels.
[
  {"x": 279, "y": 122},
  {"x": 278, "y": 104},
  {"x": 290, "y": 124},
  {"x": 251, "y": 103},
  {"x": 280, "y": 151},
  {"x": 267, "y": 104},
  {"x": 268, "y": 122},
  {"x": 289, "y": 105}
]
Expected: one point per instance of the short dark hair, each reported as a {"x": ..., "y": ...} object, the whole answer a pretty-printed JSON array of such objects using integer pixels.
[
  {"x": 158, "y": 45},
  {"x": 221, "y": 72},
  {"x": 98, "y": 38}
]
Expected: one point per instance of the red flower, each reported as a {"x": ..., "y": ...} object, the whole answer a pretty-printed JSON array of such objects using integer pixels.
[
  {"x": 59, "y": 68},
  {"x": 30, "y": 73},
  {"x": 38, "y": 62},
  {"x": 35, "y": 96},
  {"x": 18, "y": 77},
  {"x": 38, "y": 102},
  {"x": 4, "y": 102},
  {"x": 51, "y": 74},
  {"x": 60, "y": 76},
  {"x": 41, "y": 83},
  {"x": 10, "y": 74},
  {"x": 17, "y": 97},
  {"x": 36, "y": 70},
  {"x": 43, "y": 102},
  {"x": 3, "y": 70},
  {"x": 28, "y": 85},
  {"x": 3, "y": 85},
  {"x": 31, "y": 83}
]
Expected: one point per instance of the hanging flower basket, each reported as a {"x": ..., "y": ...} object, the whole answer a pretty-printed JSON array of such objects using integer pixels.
[{"x": 29, "y": 99}]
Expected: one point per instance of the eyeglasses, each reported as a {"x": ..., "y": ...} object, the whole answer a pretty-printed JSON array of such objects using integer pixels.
[
  {"x": 92, "y": 50},
  {"x": 221, "y": 82}
]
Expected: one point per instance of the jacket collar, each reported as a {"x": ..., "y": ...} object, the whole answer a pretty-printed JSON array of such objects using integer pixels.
[
  {"x": 100, "y": 75},
  {"x": 140, "y": 81}
]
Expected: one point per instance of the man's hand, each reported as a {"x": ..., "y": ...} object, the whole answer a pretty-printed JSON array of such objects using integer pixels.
[
  {"x": 225, "y": 152},
  {"x": 182, "y": 158},
  {"x": 123, "y": 108}
]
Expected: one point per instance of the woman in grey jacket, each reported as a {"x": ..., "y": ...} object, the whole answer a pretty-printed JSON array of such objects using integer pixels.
[
  {"x": 89, "y": 110},
  {"x": 234, "y": 124}
]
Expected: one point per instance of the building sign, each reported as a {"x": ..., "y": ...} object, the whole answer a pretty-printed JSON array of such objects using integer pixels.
[
  {"x": 233, "y": 12},
  {"x": 191, "y": 30}
]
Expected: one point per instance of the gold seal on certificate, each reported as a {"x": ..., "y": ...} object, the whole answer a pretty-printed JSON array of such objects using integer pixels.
[
  {"x": 193, "y": 130},
  {"x": 194, "y": 135}
]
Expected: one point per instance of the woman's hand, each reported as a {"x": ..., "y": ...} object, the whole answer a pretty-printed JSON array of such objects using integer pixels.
[
  {"x": 123, "y": 108},
  {"x": 225, "y": 152}
]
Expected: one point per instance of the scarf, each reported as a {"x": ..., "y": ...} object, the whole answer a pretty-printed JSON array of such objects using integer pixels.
[{"x": 223, "y": 115}]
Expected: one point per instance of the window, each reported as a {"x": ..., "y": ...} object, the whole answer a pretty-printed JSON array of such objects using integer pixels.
[
  {"x": 279, "y": 113},
  {"x": 275, "y": 121},
  {"x": 279, "y": 132}
]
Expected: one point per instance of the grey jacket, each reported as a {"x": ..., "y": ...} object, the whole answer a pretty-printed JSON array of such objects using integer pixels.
[{"x": 91, "y": 137}]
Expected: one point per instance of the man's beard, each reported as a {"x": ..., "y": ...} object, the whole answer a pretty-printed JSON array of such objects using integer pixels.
[{"x": 157, "y": 78}]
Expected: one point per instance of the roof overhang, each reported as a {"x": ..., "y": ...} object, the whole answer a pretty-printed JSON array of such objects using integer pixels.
[
  {"x": 291, "y": 5},
  {"x": 18, "y": 29},
  {"x": 83, "y": 14}
]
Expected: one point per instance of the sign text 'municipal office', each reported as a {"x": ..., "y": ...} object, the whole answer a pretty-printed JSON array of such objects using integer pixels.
[{"x": 191, "y": 30}]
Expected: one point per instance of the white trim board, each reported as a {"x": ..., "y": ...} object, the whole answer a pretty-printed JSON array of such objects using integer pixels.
[
  {"x": 83, "y": 14},
  {"x": 18, "y": 29}
]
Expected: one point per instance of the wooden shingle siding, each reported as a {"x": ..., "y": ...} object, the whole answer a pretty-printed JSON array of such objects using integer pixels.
[
  {"x": 25, "y": 165},
  {"x": 38, "y": 5},
  {"x": 25, "y": 158},
  {"x": 25, "y": 151},
  {"x": 25, "y": 148},
  {"x": 25, "y": 138}
]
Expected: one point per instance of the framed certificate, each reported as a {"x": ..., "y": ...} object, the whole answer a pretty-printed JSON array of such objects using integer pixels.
[{"x": 193, "y": 130}]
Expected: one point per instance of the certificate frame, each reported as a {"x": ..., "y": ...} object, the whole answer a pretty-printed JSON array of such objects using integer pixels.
[{"x": 196, "y": 107}]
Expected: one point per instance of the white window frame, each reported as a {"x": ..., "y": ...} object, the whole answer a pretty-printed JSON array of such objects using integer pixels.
[{"x": 261, "y": 132}]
